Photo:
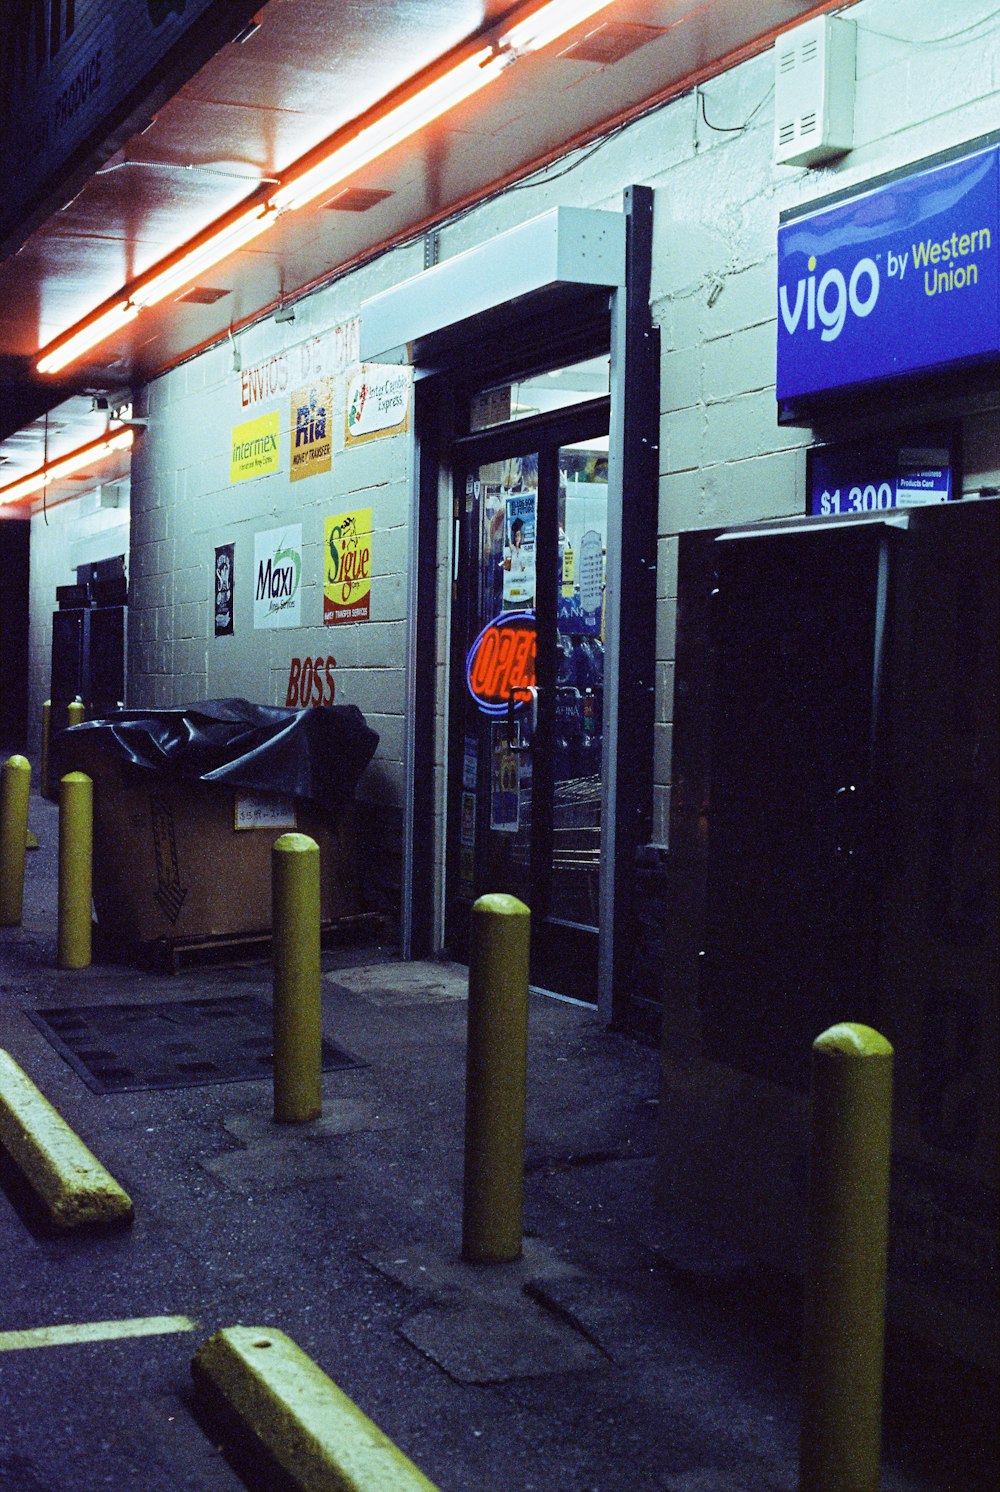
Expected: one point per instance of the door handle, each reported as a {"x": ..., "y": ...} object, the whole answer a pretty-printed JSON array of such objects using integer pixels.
[{"x": 529, "y": 696}]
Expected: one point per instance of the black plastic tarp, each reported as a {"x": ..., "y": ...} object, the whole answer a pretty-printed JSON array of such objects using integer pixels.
[{"x": 318, "y": 754}]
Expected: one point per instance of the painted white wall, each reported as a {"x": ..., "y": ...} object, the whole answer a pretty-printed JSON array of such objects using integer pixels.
[
  {"x": 186, "y": 506},
  {"x": 927, "y": 78}
]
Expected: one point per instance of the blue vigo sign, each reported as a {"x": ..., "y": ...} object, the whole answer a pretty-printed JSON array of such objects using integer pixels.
[{"x": 899, "y": 279}]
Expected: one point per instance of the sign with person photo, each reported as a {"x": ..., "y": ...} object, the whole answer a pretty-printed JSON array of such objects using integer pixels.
[{"x": 519, "y": 550}]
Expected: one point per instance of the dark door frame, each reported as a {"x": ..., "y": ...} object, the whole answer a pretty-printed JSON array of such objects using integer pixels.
[
  {"x": 558, "y": 336},
  {"x": 544, "y": 434}
]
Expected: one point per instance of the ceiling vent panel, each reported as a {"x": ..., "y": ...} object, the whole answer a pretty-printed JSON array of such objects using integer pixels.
[
  {"x": 356, "y": 199},
  {"x": 203, "y": 295},
  {"x": 611, "y": 42},
  {"x": 814, "y": 92}
]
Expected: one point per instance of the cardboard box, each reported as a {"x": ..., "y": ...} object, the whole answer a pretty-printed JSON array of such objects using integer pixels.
[{"x": 171, "y": 865}]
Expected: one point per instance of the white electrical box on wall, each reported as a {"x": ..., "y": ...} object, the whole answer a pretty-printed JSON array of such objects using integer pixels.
[{"x": 814, "y": 92}]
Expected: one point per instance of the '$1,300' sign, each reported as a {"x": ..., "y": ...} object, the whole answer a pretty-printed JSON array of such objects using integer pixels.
[
  {"x": 867, "y": 499},
  {"x": 875, "y": 477}
]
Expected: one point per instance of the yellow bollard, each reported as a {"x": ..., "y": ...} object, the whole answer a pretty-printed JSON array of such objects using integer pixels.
[
  {"x": 75, "y": 712},
  {"x": 76, "y": 839},
  {"x": 46, "y": 746},
  {"x": 844, "y": 1321},
  {"x": 15, "y": 786},
  {"x": 298, "y": 1074},
  {"x": 496, "y": 1064}
]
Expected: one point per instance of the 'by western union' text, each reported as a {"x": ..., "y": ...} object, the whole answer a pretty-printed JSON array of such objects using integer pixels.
[
  {"x": 948, "y": 263},
  {"x": 254, "y": 449}
]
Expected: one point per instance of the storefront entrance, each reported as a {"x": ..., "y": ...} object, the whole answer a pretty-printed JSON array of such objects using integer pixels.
[
  {"x": 527, "y": 684},
  {"x": 528, "y": 747}
]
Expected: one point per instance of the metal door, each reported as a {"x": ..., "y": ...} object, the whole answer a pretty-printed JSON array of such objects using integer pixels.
[
  {"x": 794, "y": 812},
  {"x": 527, "y": 697}
]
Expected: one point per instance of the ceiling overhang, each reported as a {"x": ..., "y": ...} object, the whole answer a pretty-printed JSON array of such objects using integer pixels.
[{"x": 262, "y": 107}]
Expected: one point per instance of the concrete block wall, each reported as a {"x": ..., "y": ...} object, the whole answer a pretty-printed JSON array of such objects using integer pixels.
[
  {"x": 185, "y": 506},
  {"x": 927, "y": 79},
  {"x": 925, "y": 82}
]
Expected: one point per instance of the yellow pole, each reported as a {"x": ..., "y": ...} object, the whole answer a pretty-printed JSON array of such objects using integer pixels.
[
  {"x": 74, "y": 713},
  {"x": 76, "y": 838},
  {"x": 844, "y": 1322},
  {"x": 496, "y": 1063},
  {"x": 15, "y": 786},
  {"x": 298, "y": 1093},
  {"x": 46, "y": 745}
]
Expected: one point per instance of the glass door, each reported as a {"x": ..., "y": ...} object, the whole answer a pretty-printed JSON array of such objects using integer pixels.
[{"x": 527, "y": 696}]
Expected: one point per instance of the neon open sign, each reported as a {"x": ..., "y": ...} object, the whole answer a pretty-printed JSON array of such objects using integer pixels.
[{"x": 501, "y": 662}]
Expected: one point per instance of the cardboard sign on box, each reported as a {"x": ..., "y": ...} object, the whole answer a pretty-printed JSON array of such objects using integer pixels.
[{"x": 170, "y": 864}]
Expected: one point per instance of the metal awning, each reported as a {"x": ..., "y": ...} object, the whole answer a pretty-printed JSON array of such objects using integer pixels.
[{"x": 566, "y": 250}]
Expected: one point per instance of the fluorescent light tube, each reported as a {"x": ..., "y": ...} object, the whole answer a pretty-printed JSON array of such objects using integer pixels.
[
  {"x": 221, "y": 244},
  {"x": 116, "y": 440},
  {"x": 236, "y": 235},
  {"x": 395, "y": 126},
  {"x": 90, "y": 333}
]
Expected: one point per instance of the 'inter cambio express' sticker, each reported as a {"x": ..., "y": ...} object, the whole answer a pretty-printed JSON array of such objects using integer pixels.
[{"x": 378, "y": 402}]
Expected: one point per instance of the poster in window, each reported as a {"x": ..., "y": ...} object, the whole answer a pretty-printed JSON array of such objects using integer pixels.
[
  {"x": 505, "y": 787},
  {"x": 470, "y": 764},
  {"x": 519, "y": 551},
  {"x": 468, "y": 828},
  {"x": 591, "y": 572}
]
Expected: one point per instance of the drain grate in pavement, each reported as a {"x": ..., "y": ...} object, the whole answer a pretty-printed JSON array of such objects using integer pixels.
[{"x": 169, "y": 1043}]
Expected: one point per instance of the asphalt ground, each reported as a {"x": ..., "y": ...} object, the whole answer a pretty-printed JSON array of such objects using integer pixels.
[{"x": 621, "y": 1354}]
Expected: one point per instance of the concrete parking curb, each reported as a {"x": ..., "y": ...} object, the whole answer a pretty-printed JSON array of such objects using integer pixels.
[
  {"x": 320, "y": 1439},
  {"x": 69, "y": 1181}
]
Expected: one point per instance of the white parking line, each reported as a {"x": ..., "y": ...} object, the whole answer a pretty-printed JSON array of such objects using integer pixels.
[{"x": 71, "y": 1335}]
